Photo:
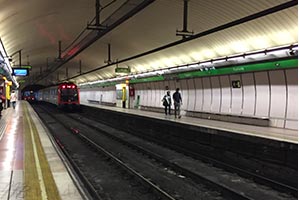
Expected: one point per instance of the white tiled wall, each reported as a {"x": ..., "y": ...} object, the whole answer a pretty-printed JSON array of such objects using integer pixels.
[{"x": 271, "y": 94}]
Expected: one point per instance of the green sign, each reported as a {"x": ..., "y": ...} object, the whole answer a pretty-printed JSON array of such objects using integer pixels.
[
  {"x": 26, "y": 66},
  {"x": 23, "y": 66},
  {"x": 122, "y": 70},
  {"x": 148, "y": 79},
  {"x": 272, "y": 65}
]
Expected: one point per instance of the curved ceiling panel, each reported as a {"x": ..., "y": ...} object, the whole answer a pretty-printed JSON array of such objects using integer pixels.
[
  {"x": 265, "y": 32},
  {"x": 36, "y": 27}
]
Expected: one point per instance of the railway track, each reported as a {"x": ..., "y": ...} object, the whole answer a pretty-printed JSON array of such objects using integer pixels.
[
  {"x": 169, "y": 141},
  {"x": 104, "y": 176},
  {"x": 165, "y": 174}
]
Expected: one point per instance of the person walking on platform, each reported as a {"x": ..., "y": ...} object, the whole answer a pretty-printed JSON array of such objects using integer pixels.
[
  {"x": 13, "y": 99},
  {"x": 2, "y": 100},
  {"x": 177, "y": 101},
  {"x": 167, "y": 102}
]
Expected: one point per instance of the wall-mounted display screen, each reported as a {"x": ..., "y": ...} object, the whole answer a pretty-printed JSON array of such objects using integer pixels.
[{"x": 20, "y": 72}]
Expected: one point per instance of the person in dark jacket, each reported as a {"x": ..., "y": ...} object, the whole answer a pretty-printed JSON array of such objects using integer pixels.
[
  {"x": 177, "y": 101},
  {"x": 167, "y": 102},
  {"x": 2, "y": 100}
]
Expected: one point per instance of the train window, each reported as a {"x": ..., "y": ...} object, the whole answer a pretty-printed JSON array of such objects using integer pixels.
[{"x": 69, "y": 94}]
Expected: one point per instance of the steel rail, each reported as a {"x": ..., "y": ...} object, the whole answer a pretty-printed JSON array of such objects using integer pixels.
[
  {"x": 184, "y": 171},
  {"x": 124, "y": 165},
  {"x": 114, "y": 158},
  {"x": 245, "y": 173},
  {"x": 92, "y": 192}
]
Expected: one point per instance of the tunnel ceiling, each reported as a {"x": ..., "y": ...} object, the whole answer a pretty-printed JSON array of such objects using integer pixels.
[
  {"x": 35, "y": 27},
  {"x": 32, "y": 88}
]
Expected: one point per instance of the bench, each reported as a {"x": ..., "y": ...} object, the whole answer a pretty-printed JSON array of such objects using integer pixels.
[
  {"x": 227, "y": 117},
  {"x": 93, "y": 101},
  {"x": 101, "y": 102},
  {"x": 153, "y": 109}
]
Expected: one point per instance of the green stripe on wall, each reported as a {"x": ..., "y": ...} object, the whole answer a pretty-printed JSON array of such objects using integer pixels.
[
  {"x": 274, "y": 65},
  {"x": 148, "y": 79}
]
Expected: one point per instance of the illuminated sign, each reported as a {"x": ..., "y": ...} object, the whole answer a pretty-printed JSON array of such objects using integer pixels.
[
  {"x": 26, "y": 66},
  {"x": 23, "y": 66},
  {"x": 122, "y": 70},
  {"x": 20, "y": 72}
]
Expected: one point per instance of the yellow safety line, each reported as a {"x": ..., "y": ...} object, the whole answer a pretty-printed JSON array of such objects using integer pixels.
[
  {"x": 40, "y": 174},
  {"x": 37, "y": 163}
]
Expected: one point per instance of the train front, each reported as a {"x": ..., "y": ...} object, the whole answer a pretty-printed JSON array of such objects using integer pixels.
[{"x": 68, "y": 96}]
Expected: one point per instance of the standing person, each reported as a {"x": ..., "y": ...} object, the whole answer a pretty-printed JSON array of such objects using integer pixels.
[
  {"x": 3, "y": 99},
  {"x": 13, "y": 99},
  {"x": 1, "y": 103},
  {"x": 167, "y": 102},
  {"x": 177, "y": 101}
]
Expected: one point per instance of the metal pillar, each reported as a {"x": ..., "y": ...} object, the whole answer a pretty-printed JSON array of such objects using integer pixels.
[
  {"x": 98, "y": 6},
  {"x": 80, "y": 67},
  {"x": 109, "y": 61},
  {"x": 97, "y": 25},
  {"x": 185, "y": 21},
  {"x": 20, "y": 57},
  {"x": 59, "y": 49},
  {"x": 185, "y": 33}
]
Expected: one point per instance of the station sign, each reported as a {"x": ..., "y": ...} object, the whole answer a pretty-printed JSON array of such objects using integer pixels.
[
  {"x": 170, "y": 76},
  {"x": 20, "y": 71},
  {"x": 26, "y": 66},
  {"x": 236, "y": 84},
  {"x": 122, "y": 70},
  {"x": 23, "y": 66}
]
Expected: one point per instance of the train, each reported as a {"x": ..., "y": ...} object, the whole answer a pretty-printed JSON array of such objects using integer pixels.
[
  {"x": 64, "y": 95},
  {"x": 29, "y": 96}
]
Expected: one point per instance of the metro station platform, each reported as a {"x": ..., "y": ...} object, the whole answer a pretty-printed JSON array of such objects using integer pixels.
[
  {"x": 30, "y": 167},
  {"x": 277, "y": 134}
]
